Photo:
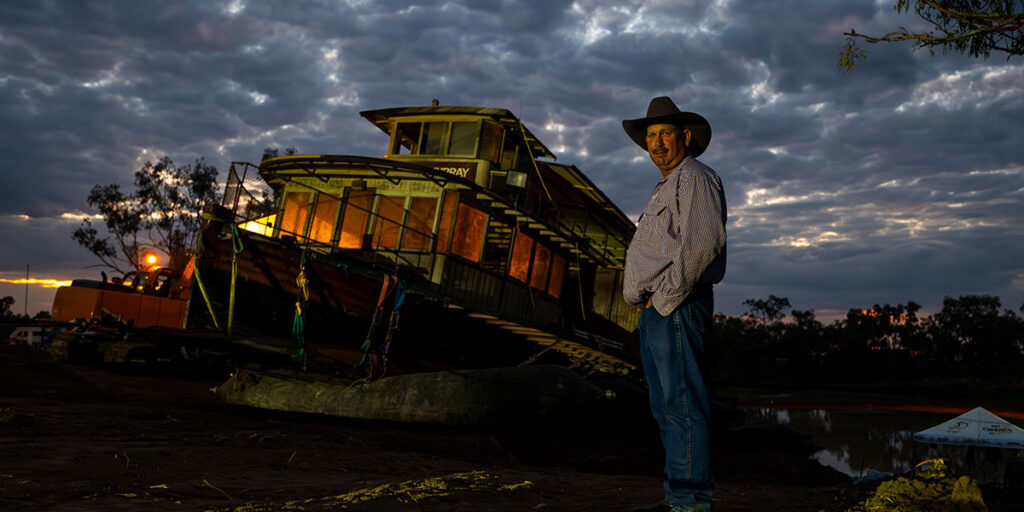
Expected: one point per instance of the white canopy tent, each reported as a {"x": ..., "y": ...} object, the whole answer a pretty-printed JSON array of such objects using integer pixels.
[{"x": 977, "y": 427}]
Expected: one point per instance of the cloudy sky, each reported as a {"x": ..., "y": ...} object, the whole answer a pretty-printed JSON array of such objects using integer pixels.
[{"x": 902, "y": 181}]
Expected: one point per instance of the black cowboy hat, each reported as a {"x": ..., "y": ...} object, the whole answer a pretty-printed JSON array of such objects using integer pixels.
[{"x": 663, "y": 111}]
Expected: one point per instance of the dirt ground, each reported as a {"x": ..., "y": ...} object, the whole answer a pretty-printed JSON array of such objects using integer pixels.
[{"x": 88, "y": 438}]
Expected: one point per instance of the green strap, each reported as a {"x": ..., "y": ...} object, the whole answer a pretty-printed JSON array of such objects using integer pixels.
[{"x": 236, "y": 246}]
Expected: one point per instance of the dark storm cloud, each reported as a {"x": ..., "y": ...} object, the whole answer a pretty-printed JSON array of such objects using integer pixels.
[{"x": 900, "y": 181}]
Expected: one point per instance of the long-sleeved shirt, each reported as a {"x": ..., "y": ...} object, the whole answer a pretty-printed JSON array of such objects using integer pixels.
[{"x": 680, "y": 239}]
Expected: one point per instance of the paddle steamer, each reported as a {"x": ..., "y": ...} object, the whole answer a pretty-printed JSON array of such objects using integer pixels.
[{"x": 465, "y": 246}]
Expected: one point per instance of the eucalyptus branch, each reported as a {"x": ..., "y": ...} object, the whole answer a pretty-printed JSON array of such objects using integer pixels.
[{"x": 963, "y": 26}]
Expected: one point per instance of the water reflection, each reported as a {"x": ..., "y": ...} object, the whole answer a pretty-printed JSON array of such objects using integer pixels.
[{"x": 863, "y": 439}]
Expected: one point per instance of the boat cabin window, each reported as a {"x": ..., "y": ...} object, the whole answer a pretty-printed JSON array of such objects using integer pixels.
[
  {"x": 388, "y": 226},
  {"x": 519, "y": 266},
  {"x": 296, "y": 209},
  {"x": 541, "y": 262},
  {"x": 490, "y": 142},
  {"x": 557, "y": 277},
  {"x": 463, "y": 141},
  {"x": 548, "y": 272},
  {"x": 468, "y": 235},
  {"x": 407, "y": 136},
  {"x": 433, "y": 138},
  {"x": 420, "y": 226},
  {"x": 437, "y": 138},
  {"x": 324, "y": 216},
  {"x": 444, "y": 228},
  {"x": 353, "y": 224}
]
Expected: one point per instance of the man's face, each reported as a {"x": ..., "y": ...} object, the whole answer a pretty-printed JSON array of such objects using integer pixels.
[{"x": 667, "y": 145}]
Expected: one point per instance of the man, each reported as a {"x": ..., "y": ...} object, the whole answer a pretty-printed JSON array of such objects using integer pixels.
[{"x": 676, "y": 255}]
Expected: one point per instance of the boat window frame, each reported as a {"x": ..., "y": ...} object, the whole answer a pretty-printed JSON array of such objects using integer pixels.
[
  {"x": 279, "y": 231},
  {"x": 431, "y": 224},
  {"x": 368, "y": 212},
  {"x": 537, "y": 263},
  {"x": 514, "y": 252},
  {"x": 555, "y": 259},
  {"x": 495, "y": 156},
  {"x": 464, "y": 199},
  {"x": 442, "y": 246},
  {"x": 403, "y": 225},
  {"x": 378, "y": 200},
  {"x": 314, "y": 206},
  {"x": 395, "y": 142}
]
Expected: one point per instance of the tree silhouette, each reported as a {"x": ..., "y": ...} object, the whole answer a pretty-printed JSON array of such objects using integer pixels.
[
  {"x": 770, "y": 310},
  {"x": 970, "y": 336},
  {"x": 975, "y": 329},
  {"x": 162, "y": 213},
  {"x": 270, "y": 152}
]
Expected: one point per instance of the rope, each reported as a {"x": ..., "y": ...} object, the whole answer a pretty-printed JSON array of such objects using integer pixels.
[
  {"x": 533, "y": 160},
  {"x": 579, "y": 280},
  {"x": 400, "y": 294},
  {"x": 393, "y": 321},
  {"x": 206, "y": 298},
  {"x": 385, "y": 290},
  {"x": 302, "y": 297}
]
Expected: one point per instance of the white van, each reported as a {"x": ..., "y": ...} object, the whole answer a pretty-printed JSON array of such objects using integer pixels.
[{"x": 28, "y": 335}]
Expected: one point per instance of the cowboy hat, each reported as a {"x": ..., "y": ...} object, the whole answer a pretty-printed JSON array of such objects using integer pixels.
[{"x": 663, "y": 111}]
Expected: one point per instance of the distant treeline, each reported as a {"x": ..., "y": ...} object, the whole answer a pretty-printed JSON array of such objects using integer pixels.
[{"x": 972, "y": 336}]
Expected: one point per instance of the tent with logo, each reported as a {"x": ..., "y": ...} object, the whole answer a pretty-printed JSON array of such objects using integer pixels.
[{"x": 977, "y": 427}]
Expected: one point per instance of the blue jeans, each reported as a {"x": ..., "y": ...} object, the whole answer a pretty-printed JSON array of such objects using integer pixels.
[{"x": 672, "y": 353}]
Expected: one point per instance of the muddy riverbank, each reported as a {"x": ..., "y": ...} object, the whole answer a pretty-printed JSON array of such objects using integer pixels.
[{"x": 87, "y": 438}]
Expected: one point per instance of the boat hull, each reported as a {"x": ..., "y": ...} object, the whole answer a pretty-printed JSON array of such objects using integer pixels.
[{"x": 469, "y": 397}]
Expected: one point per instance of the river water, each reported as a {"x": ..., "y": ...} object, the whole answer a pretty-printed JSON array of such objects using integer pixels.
[{"x": 863, "y": 435}]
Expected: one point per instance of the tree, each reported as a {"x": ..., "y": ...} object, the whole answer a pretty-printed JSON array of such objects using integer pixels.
[
  {"x": 974, "y": 27},
  {"x": 768, "y": 311},
  {"x": 975, "y": 329},
  {"x": 161, "y": 214},
  {"x": 270, "y": 152},
  {"x": 802, "y": 341},
  {"x": 5, "y": 306}
]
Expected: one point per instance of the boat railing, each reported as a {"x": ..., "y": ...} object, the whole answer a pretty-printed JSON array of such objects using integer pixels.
[
  {"x": 248, "y": 197},
  {"x": 491, "y": 292}
]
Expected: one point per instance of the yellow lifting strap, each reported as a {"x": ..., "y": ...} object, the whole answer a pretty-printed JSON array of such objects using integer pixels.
[
  {"x": 209, "y": 305},
  {"x": 199, "y": 281}
]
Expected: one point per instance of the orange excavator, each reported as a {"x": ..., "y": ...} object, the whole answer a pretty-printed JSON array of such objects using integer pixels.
[{"x": 151, "y": 297}]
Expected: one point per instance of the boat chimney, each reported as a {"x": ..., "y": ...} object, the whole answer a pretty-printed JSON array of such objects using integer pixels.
[{"x": 434, "y": 102}]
